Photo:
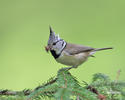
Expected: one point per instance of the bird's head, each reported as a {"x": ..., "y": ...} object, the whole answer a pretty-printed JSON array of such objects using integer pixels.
[{"x": 55, "y": 43}]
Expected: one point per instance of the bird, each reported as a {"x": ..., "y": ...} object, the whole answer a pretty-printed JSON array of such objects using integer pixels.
[{"x": 71, "y": 55}]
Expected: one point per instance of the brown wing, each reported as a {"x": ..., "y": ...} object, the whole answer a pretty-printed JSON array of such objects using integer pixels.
[{"x": 75, "y": 49}]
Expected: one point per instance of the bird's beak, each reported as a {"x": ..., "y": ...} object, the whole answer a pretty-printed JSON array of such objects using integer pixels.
[{"x": 47, "y": 48}]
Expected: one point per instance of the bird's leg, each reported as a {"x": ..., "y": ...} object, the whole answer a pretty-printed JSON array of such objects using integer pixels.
[
  {"x": 74, "y": 66},
  {"x": 66, "y": 68}
]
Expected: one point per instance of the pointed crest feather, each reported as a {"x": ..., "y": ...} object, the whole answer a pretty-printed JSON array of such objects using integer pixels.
[
  {"x": 53, "y": 37},
  {"x": 57, "y": 36},
  {"x": 51, "y": 31}
]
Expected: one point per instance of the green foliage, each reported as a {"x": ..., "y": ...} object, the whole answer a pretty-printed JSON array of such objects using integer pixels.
[
  {"x": 66, "y": 87},
  {"x": 17, "y": 97},
  {"x": 112, "y": 89},
  {"x": 45, "y": 91}
]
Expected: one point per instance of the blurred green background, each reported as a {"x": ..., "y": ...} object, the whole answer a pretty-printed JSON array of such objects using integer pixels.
[{"x": 24, "y": 31}]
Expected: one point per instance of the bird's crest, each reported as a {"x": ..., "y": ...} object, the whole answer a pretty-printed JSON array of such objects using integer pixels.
[{"x": 52, "y": 37}]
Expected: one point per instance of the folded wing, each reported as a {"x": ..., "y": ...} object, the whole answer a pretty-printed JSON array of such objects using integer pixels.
[{"x": 75, "y": 49}]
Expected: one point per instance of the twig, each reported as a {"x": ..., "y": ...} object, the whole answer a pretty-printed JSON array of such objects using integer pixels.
[
  {"x": 9, "y": 92},
  {"x": 48, "y": 83}
]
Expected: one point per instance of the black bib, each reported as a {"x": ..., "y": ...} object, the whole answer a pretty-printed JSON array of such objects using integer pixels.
[{"x": 54, "y": 54}]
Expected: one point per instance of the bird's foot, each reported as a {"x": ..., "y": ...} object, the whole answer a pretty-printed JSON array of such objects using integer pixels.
[{"x": 66, "y": 68}]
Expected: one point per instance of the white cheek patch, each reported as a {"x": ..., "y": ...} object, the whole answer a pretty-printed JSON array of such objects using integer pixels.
[{"x": 60, "y": 45}]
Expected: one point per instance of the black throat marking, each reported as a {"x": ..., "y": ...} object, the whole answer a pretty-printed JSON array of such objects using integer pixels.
[{"x": 53, "y": 52}]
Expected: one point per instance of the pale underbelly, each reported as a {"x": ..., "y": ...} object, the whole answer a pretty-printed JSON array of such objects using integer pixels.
[{"x": 72, "y": 60}]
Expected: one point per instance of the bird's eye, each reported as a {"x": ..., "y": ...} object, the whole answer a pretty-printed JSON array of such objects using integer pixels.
[{"x": 54, "y": 43}]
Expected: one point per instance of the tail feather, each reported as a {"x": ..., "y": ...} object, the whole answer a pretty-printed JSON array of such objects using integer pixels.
[{"x": 99, "y": 49}]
